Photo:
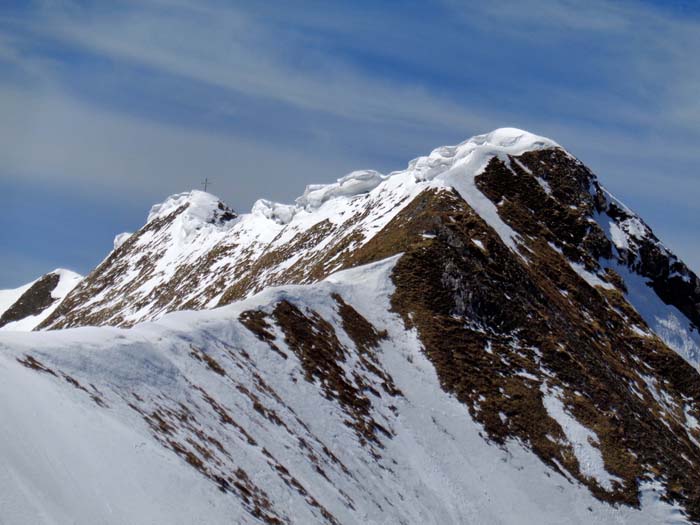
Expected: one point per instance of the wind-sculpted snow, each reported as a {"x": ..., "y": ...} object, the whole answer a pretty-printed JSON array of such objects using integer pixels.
[
  {"x": 353, "y": 184},
  {"x": 220, "y": 417},
  {"x": 279, "y": 213},
  {"x": 121, "y": 239}
]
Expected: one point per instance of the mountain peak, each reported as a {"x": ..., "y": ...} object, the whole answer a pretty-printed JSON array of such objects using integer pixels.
[
  {"x": 477, "y": 150},
  {"x": 197, "y": 206},
  {"x": 499, "y": 142},
  {"x": 191, "y": 236},
  {"x": 513, "y": 137}
]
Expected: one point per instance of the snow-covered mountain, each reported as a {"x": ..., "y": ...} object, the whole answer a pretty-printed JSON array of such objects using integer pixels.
[
  {"x": 488, "y": 336},
  {"x": 24, "y": 308}
]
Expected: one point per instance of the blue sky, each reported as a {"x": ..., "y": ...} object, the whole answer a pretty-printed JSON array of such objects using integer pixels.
[{"x": 109, "y": 107}]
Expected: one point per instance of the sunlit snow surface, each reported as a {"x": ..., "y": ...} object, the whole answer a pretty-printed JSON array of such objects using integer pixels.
[
  {"x": 583, "y": 441},
  {"x": 66, "y": 460}
]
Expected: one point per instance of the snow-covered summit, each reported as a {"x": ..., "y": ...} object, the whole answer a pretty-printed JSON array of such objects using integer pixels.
[
  {"x": 203, "y": 207},
  {"x": 199, "y": 207},
  {"x": 476, "y": 150},
  {"x": 200, "y": 256},
  {"x": 199, "y": 203},
  {"x": 193, "y": 235}
]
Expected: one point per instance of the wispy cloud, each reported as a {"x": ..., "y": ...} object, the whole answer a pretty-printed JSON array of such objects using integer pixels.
[{"x": 233, "y": 49}]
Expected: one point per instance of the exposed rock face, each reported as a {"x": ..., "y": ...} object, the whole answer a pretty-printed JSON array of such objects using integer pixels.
[
  {"x": 33, "y": 301},
  {"x": 506, "y": 336},
  {"x": 545, "y": 306},
  {"x": 595, "y": 225},
  {"x": 31, "y": 304}
]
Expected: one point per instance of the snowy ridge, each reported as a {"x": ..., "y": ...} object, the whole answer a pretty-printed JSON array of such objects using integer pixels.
[
  {"x": 141, "y": 411},
  {"x": 500, "y": 142},
  {"x": 325, "y": 218},
  {"x": 194, "y": 252}
]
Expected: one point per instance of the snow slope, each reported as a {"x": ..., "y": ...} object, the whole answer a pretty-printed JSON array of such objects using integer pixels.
[{"x": 238, "y": 406}]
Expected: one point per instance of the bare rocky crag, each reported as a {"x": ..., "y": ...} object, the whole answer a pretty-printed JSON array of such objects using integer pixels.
[
  {"x": 537, "y": 306},
  {"x": 26, "y": 307},
  {"x": 33, "y": 301}
]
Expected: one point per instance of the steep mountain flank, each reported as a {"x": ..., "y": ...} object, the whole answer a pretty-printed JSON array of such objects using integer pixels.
[
  {"x": 570, "y": 210},
  {"x": 513, "y": 339}
]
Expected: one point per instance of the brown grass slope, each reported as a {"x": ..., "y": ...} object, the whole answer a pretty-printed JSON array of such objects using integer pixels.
[{"x": 500, "y": 326}]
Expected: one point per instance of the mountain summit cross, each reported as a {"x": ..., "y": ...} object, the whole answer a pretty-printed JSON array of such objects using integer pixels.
[{"x": 206, "y": 184}]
